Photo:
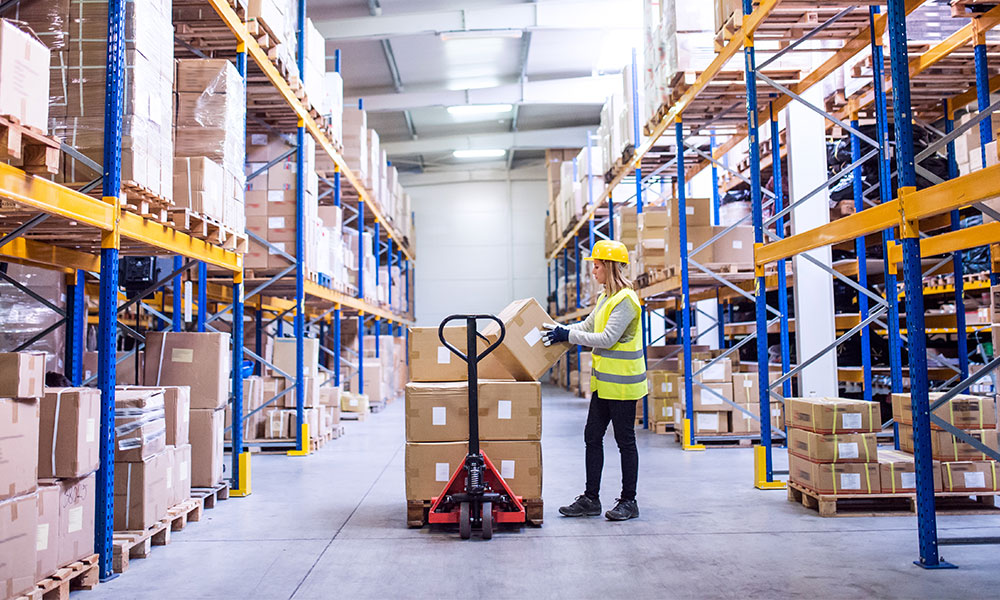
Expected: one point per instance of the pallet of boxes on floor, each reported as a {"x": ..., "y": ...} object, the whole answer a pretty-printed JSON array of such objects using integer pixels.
[
  {"x": 510, "y": 407},
  {"x": 837, "y": 468}
]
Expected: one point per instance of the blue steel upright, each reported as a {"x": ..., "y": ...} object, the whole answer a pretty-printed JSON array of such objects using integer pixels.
[
  {"x": 76, "y": 327},
  {"x": 108, "y": 303},
  {"x": 861, "y": 249},
  {"x": 913, "y": 282},
  {"x": 760, "y": 295},
  {"x": 237, "y": 420},
  {"x": 566, "y": 278},
  {"x": 685, "y": 310},
  {"x": 336, "y": 345},
  {"x": 202, "y": 297},
  {"x": 983, "y": 102},
  {"x": 300, "y": 230},
  {"x": 177, "y": 294},
  {"x": 716, "y": 201},
  {"x": 779, "y": 229},
  {"x": 957, "y": 257}
]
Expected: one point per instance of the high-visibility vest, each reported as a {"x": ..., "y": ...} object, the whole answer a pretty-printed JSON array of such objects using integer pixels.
[{"x": 619, "y": 372}]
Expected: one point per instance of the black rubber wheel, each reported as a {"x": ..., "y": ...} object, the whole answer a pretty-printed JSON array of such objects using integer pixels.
[
  {"x": 464, "y": 521},
  {"x": 487, "y": 520}
]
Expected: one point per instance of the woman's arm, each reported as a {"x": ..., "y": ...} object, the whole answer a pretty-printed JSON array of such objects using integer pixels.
[
  {"x": 619, "y": 320},
  {"x": 585, "y": 325}
]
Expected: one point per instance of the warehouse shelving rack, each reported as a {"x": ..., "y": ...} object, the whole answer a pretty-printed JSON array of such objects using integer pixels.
[{"x": 49, "y": 225}]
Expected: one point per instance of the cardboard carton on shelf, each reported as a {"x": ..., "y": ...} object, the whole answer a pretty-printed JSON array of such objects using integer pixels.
[
  {"x": 24, "y": 60},
  {"x": 141, "y": 492},
  {"x": 77, "y": 514},
  {"x": 46, "y": 540},
  {"x": 351, "y": 402},
  {"x": 180, "y": 473},
  {"x": 897, "y": 472},
  {"x": 707, "y": 396},
  {"x": 969, "y": 476},
  {"x": 429, "y": 466},
  {"x": 833, "y": 448},
  {"x": 140, "y": 424},
  {"x": 439, "y": 412},
  {"x": 740, "y": 422},
  {"x": 833, "y": 415},
  {"x": 67, "y": 432},
  {"x": 207, "y": 446},
  {"x": 522, "y": 352},
  {"x": 945, "y": 446},
  {"x": 18, "y": 447},
  {"x": 18, "y": 544},
  {"x": 718, "y": 372},
  {"x": 830, "y": 478},
  {"x": 710, "y": 422},
  {"x": 198, "y": 360},
  {"x": 22, "y": 374},
  {"x": 664, "y": 384},
  {"x": 284, "y": 356},
  {"x": 430, "y": 360},
  {"x": 964, "y": 411},
  {"x": 661, "y": 410}
]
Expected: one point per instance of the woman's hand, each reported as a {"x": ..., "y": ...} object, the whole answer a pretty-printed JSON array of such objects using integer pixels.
[{"x": 555, "y": 335}]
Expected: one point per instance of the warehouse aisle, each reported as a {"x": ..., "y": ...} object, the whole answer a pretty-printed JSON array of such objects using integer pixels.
[{"x": 334, "y": 525}]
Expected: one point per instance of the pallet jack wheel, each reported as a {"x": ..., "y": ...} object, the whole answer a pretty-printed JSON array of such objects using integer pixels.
[
  {"x": 464, "y": 521},
  {"x": 487, "y": 520}
]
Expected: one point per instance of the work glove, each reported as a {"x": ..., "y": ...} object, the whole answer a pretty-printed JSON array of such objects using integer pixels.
[{"x": 555, "y": 334}]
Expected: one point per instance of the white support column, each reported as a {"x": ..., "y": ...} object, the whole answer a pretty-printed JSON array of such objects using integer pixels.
[{"x": 815, "y": 326}]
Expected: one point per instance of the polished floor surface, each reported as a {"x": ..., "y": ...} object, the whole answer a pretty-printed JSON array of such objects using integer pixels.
[{"x": 333, "y": 525}]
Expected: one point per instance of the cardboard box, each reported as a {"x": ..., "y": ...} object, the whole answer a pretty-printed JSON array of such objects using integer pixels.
[
  {"x": 995, "y": 304},
  {"x": 284, "y": 356},
  {"x": 311, "y": 397},
  {"x": 969, "y": 476},
  {"x": 46, "y": 538},
  {"x": 664, "y": 384},
  {"x": 18, "y": 447},
  {"x": 719, "y": 372},
  {"x": 206, "y": 447},
  {"x": 733, "y": 248},
  {"x": 141, "y": 492},
  {"x": 77, "y": 514},
  {"x": 830, "y": 478},
  {"x": 710, "y": 422},
  {"x": 439, "y": 412},
  {"x": 22, "y": 374},
  {"x": 69, "y": 420},
  {"x": 429, "y": 466},
  {"x": 19, "y": 524},
  {"x": 353, "y": 403},
  {"x": 834, "y": 448},
  {"x": 897, "y": 472},
  {"x": 177, "y": 404},
  {"x": 522, "y": 352},
  {"x": 703, "y": 399},
  {"x": 833, "y": 415},
  {"x": 199, "y": 360},
  {"x": 945, "y": 446},
  {"x": 963, "y": 411},
  {"x": 430, "y": 360},
  {"x": 180, "y": 473},
  {"x": 698, "y": 213},
  {"x": 24, "y": 68},
  {"x": 746, "y": 388},
  {"x": 329, "y": 396},
  {"x": 740, "y": 422},
  {"x": 661, "y": 410},
  {"x": 140, "y": 424}
]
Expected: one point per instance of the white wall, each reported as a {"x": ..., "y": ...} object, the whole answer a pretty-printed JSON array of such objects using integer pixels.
[{"x": 480, "y": 245}]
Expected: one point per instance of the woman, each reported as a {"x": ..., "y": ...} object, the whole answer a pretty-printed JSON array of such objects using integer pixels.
[{"x": 618, "y": 379}]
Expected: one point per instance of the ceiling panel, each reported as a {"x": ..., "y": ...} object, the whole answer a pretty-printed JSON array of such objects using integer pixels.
[
  {"x": 391, "y": 126},
  {"x": 424, "y": 59},
  {"x": 549, "y": 116},
  {"x": 363, "y": 65},
  {"x": 558, "y": 53}
]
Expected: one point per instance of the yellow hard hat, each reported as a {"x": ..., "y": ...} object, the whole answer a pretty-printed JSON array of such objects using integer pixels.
[{"x": 609, "y": 250}]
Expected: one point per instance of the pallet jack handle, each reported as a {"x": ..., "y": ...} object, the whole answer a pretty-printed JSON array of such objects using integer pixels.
[{"x": 472, "y": 359}]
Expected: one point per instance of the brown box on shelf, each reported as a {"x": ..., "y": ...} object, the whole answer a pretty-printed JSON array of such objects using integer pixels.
[
  {"x": 708, "y": 399},
  {"x": 77, "y": 515},
  {"x": 969, "y": 476},
  {"x": 429, "y": 466},
  {"x": 141, "y": 492},
  {"x": 833, "y": 448},
  {"x": 718, "y": 372},
  {"x": 746, "y": 388},
  {"x": 833, "y": 415},
  {"x": 22, "y": 374},
  {"x": 830, "y": 478},
  {"x": 69, "y": 419},
  {"x": 733, "y": 248},
  {"x": 945, "y": 446},
  {"x": 140, "y": 424},
  {"x": 963, "y": 411},
  {"x": 898, "y": 472},
  {"x": 430, "y": 360},
  {"x": 696, "y": 236},
  {"x": 198, "y": 360},
  {"x": 180, "y": 473},
  {"x": 439, "y": 412},
  {"x": 206, "y": 447},
  {"x": 353, "y": 403},
  {"x": 706, "y": 421},
  {"x": 177, "y": 402},
  {"x": 19, "y": 524},
  {"x": 664, "y": 384},
  {"x": 284, "y": 356},
  {"x": 18, "y": 447},
  {"x": 522, "y": 352},
  {"x": 661, "y": 410},
  {"x": 740, "y": 422},
  {"x": 698, "y": 213},
  {"x": 46, "y": 540}
]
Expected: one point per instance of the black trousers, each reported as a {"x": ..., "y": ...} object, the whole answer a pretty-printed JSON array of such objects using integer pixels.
[{"x": 621, "y": 413}]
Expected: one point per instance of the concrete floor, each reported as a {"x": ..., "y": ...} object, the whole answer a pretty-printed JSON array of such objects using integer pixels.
[{"x": 333, "y": 525}]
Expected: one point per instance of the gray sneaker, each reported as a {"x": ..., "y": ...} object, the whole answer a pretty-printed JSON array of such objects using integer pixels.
[
  {"x": 623, "y": 511},
  {"x": 581, "y": 507}
]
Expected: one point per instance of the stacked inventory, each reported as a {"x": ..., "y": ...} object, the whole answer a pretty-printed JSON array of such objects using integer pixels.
[
  {"x": 725, "y": 402},
  {"x": 385, "y": 368},
  {"x": 510, "y": 421},
  {"x": 143, "y": 483},
  {"x": 210, "y": 113}
]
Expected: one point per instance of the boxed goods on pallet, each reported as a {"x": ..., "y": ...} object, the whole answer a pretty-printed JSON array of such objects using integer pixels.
[
  {"x": 710, "y": 396},
  {"x": 77, "y": 514},
  {"x": 522, "y": 352},
  {"x": 898, "y": 472},
  {"x": 24, "y": 69},
  {"x": 28, "y": 319},
  {"x": 833, "y": 448},
  {"x": 833, "y": 415},
  {"x": 140, "y": 424},
  {"x": 429, "y": 466},
  {"x": 333, "y": 85},
  {"x": 207, "y": 446},
  {"x": 22, "y": 374},
  {"x": 703, "y": 421},
  {"x": 198, "y": 360},
  {"x": 835, "y": 478},
  {"x": 430, "y": 360},
  {"x": 969, "y": 476},
  {"x": 742, "y": 423},
  {"x": 661, "y": 410},
  {"x": 352, "y": 402},
  {"x": 141, "y": 492},
  {"x": 18, "y": 446},
  {"x": 46, "y": 544},
  {"x": 19, "y": 524},
  {"x": 439, "y": 412},
  {"x": 947, "y": 447},
  {"x": 67, "y": 436},
  {"x": 963, "y": 411},
  {"x": 678, "y": 39},
  {"x": 180, "y": 473}
]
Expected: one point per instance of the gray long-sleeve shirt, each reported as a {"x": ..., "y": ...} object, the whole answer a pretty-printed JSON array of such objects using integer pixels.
[{"x": 623, "y": 323}]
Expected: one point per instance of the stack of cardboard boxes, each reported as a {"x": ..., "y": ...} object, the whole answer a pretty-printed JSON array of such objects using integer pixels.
[
  {"x": 48, "y": 441},
  {"x": 143, "y": 477},
  {"x": 510, "y": 417}
]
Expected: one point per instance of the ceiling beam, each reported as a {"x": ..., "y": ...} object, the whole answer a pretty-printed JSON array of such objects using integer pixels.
[
  {"x": 520, "y": 16},
  {"x": 572, "y": 90},
  {"x": 538, "y": 139},
  {"x": 459, "y": 175}
]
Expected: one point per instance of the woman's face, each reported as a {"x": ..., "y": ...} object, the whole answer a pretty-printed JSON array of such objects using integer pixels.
[{"x": 600, "y": 272}]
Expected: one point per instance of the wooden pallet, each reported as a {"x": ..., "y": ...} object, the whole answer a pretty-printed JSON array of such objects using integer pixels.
[
  {"x": 416, "y": 512},
  {"x": 209, "y": 495},
  {"x": 662, "y": 428},
  {"x": 138, "y": 544},
  {"x": 725, "y": 440},
  {"x": 37, "y": 152},
  {"x": 83, "y": 574},
  {"x": 188, "y": 510},
  {"x": 352, "y": 416},
  {"x": 971, "y": 8},
  {"x": 209, "y": 229},
  {"x": 282, "y": 445},
  {"x": 890, "y": 505}
]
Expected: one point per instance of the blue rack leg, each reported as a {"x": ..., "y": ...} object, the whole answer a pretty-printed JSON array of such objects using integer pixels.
[
  {"x": 203, "y": 297},
  {"x": 76, "y": 327},
  {"x": 237, "y": 420},
  {"x": 177, "y": 295},
  {"x": 779, "y": 228},
  {"x": 336, "y": 346},
  {"x": 685, "y": 309},
  {"x": 860, "y": 248},
  {"x": 258, "y": 342},
  {"x": 957, "y": 258},
  {"x": 361, "y": 355}
]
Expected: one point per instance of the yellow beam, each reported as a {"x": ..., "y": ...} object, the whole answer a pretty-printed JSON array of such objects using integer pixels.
[
  {"x": 54, "y": 199},
  {"x": 317, "y": 291},
  {"x": 48, "y": 256},
  {"x": 233, "y": 22},
  {"x": 142, "y": 230},
  {"x": 963, "y": 239}
]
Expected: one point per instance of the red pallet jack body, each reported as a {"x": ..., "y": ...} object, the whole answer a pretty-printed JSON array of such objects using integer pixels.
[{"x": 476, "y": 496}]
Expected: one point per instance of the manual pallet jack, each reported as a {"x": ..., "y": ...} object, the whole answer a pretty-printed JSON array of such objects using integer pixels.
[{"x": 476, "y": 496}]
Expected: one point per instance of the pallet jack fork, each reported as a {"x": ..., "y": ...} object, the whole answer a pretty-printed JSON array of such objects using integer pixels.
[{"x": 476, "y": 496}]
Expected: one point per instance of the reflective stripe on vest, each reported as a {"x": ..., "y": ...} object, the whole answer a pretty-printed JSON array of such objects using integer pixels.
[{"x": 618, "y": 373}]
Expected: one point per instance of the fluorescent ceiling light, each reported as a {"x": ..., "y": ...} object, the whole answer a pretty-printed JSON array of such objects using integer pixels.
[
  {"x": 478, "y": 34},
  {"x": 488, "y": 153},
  {"x": 464, "y": 110}
]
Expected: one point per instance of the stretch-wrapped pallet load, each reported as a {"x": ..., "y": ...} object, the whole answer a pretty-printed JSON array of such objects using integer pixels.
[{"x": 147, "y": 116}]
